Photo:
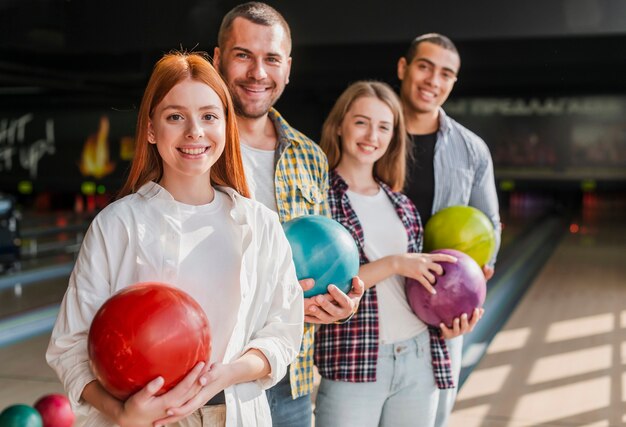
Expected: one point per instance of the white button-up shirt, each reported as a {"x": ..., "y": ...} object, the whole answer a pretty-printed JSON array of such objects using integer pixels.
[{"x": 148, "y": 236}]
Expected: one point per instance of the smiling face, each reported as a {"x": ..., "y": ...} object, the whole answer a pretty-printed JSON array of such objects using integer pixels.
[
  {"x": 366, "y": 131},
  {"x": 428, "y": 79},
  {"x": 255, "y": 63},
  {"x": 188, "y": 129}
]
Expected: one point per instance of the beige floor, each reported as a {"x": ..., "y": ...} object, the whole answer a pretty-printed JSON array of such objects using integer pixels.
[
  {"x": 561, "y": 358},
  {"x": 24, "y": 374}
]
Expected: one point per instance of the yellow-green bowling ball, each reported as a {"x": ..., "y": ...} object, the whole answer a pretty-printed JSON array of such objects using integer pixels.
[{"x": 463, "y": 228}]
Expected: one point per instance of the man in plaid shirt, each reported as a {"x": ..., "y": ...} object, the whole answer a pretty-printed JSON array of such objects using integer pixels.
[{"x": 286, "y": 171}]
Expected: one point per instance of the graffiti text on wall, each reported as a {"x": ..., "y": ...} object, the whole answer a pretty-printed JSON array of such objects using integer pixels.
[{"x": 14, "y": 143}]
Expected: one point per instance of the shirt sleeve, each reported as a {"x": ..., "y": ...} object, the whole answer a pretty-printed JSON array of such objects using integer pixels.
[
  {"x": 485, "y": 197},
  {"x": 87, "y": 290},
  {"x": 280, "y": 337}
]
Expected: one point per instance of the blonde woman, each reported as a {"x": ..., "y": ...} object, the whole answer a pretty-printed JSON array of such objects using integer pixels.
[{"x": 384, "y": 366}]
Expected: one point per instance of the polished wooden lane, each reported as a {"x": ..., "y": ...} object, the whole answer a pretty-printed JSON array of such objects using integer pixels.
[{"x": 560, "y": 360}]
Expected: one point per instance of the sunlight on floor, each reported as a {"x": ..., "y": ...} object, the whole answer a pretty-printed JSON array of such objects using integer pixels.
[
  {"x": 602, "y": 423},
  {"x": 570, "y": 364},
  {"x": 470, "y": 417},
  {"x": 485, "y": 382},
  {"x": 508, "y": 340},
  {"x": 547, "y": 405},
  {"x": 580, "y": 327}
]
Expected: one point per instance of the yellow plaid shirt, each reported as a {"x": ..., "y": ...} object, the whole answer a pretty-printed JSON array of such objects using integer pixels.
[{"x": 301, "y": 186}]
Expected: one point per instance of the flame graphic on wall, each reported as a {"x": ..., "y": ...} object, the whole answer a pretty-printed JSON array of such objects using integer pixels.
[{"x": 95, "y": 159}]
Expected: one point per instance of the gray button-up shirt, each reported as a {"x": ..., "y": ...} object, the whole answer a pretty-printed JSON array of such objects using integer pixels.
[{"x": 464, "y": 173}]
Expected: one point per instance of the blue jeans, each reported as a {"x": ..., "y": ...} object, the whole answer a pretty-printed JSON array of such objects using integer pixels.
[
  {"x": 447, "y": 397},
  {"x": 286, "y": 411},
  {"x": 404, "y": 393}
]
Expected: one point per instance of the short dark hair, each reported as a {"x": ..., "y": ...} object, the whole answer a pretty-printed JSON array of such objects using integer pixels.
[
  {"x": 254, "y": 11},
  {"x": 434, "y": 38}
]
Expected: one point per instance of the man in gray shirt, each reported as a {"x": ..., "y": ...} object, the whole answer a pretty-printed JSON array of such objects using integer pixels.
[{"x": 449, "y": 165}]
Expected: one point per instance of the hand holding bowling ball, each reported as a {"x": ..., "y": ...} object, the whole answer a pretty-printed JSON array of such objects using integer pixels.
[
  {"x": 145, "y": 331},
  {"x": 422, "y": 268},
  {"x": 55, "y": 411},
  {"x": 463, "y": 228},
  {"x": 460, "y": 289},
  {"x": 323, "y": 250}
]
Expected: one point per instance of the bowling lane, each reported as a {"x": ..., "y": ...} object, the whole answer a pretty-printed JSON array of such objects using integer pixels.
[
  {"x": 49, "y": 243},
  {"x": 24, "y": 374},
  {"x": 560, "y": 360}
]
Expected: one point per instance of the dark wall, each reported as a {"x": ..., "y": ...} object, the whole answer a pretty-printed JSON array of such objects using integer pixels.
[{"x": 63, "y": 56}]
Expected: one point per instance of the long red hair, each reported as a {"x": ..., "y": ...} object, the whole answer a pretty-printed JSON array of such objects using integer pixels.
[{"x": 170, "y": 70}]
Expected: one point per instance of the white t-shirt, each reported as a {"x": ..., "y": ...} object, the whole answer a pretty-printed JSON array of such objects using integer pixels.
[
  {"x": 241, "y": 274},
  {"x": 259, "y": 168},
  {"x": 383, "y": 235}
]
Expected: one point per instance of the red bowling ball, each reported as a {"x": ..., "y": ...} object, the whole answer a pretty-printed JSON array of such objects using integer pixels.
[
  {"x": 145, "y": 331},
  {"x": 461, "y": 289},
  {"x": 55, "y": 411}
]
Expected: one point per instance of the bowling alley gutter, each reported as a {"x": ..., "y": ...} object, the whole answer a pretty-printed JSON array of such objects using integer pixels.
[
  {"x": 515, "y": 271},
  {"x": 34, "y": 322},
  {"x": 24, "y": 326}
]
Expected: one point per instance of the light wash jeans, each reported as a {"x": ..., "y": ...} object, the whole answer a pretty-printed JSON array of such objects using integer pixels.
[
  {"x": 286, "y": 411},
  {"x": 404, "y": 393},
  {"x": 447, "y": 397}
]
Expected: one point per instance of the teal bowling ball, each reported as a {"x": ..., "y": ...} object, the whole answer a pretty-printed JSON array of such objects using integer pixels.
[
  {"x": 323, "y": 250},
  {"x": 20, "y": 416}
]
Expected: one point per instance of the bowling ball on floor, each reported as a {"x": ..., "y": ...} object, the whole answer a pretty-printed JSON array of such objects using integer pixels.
[
  {"x": 460, "y": 289},
  {"x": 20, "y": 416},
  {"x": 322, "y": 250},
  {"x": 55, "y": 411},
  {"x": 463, "y": 228},
  {"x": 145, "y": 331}
]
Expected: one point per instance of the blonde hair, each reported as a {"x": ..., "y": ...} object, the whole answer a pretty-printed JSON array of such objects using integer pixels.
[
  {"x": 391, "y": 167},
  {"x": 170, "y": 70}
]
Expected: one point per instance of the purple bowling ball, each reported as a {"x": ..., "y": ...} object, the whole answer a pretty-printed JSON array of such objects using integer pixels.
[{"x": 461, "y": 289}]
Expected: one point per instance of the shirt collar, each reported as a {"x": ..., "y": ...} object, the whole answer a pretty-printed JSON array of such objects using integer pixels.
[
  {"x": 444, "y": 122},
  {"x": 240, "y": 205},
  {"x": 338, "y": 183},
  {"x": 151, "y": 189},
  {"x": 283, "y": 130},
  {"x": 238, "y": 210}
]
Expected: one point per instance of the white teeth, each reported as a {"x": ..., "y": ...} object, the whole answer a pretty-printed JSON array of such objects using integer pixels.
[
  {"x": 368, "y": 148},
  {"x": 193, "y": 151},
  {"x": 427, "y": 93}
]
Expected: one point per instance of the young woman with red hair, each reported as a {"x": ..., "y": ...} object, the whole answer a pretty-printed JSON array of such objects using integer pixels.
[{"x": 184, "y": 218}]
